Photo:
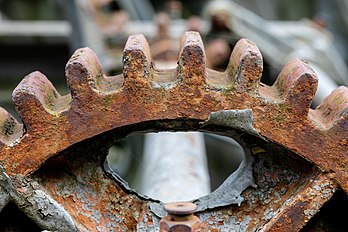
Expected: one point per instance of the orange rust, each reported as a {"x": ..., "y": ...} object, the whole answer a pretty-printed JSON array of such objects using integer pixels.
[
  {"x": 297, "y": 212},
  {"x": 180, "y": 218},
  {"x": 139, "y": 102},
  {"x": 100, "y": 104}
]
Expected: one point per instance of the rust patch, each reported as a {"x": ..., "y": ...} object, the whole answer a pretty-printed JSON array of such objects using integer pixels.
[{"x": 100, "y": 105}]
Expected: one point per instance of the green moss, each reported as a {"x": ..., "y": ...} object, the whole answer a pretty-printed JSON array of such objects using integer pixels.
[
  {"x": 280, "y": 117},
  {"x": 283, "y": 108},
  {"x": 106, "y": 101},
  {"x": 98, "y": 80},
  {"x": 233, "y": 72},
  {"x": 51, "y": 98},
  {"x": 228, "y": 90}
]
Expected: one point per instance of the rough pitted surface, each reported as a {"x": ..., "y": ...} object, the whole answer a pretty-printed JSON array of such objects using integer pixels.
[
  {"x": 40, "y": 207},
  {"x": 62, "y": 145}
]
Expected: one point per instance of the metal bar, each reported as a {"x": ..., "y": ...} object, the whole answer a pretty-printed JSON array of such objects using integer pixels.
[
  {"x": 35, "y": 28},
  {"x": 175, "y": 166}
]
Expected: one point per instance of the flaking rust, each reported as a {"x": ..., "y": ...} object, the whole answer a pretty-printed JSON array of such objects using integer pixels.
[{"x": 66, "y": 138}]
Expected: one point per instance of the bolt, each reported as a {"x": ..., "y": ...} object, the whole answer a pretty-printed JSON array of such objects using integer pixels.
[{"x": 180, "y": 218}]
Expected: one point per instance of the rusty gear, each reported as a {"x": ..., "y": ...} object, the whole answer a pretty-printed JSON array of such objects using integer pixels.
[{"x": 52, "y": 165}]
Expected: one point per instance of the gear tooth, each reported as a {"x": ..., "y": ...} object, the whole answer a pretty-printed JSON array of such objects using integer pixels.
[
  {"x": 10, "y": 129},
  {"x": 37, "y": 101},
  {"x": 191, "y": 64},
  {"x": 334, "y": 108},
  {"x": 83, "y": 71},
  {"x": 296, "y": 85},
  {"x": 137, "y": 61},
  {"x": 245, "y": 66}
]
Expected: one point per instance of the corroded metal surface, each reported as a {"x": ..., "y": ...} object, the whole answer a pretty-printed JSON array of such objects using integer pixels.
[
  {"x": 180, "y": 218},
  {"x": 300, "y": 154}
]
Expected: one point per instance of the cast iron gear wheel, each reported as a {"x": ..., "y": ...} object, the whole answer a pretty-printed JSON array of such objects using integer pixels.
[{"x": 52, "y": 164}]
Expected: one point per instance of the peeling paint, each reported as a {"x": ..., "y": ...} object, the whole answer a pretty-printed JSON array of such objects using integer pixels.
[
  {"x": 230, "y": 190},
  {"x": 288, "y": 187},
  {"x": 40, "y": 207},
  {"x": 235, "y": 119}
]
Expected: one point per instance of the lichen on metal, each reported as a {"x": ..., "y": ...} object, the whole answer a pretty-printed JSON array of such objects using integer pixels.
[
  {"x": 300, "y": 154},
  {"x": 37, "y": 204}
]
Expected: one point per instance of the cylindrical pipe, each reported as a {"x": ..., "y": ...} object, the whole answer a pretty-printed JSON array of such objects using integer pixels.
[{"x": 175, "y": 166}]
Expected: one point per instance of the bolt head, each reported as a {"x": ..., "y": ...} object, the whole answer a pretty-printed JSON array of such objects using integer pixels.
[
  {"x": 180, "y": 208},
  {"x": 188, "y": 223},
  {"x": 180, "y": 218}
]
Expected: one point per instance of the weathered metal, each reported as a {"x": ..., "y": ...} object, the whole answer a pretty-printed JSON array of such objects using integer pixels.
[
  {"x": 299, "y": 154},
  {"x": 180, "y": 218}
]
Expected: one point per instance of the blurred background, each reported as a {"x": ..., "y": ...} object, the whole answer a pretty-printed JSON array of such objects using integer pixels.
[{"x": 42, "y": 35}]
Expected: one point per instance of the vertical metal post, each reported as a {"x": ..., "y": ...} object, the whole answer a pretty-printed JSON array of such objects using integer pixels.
[{"x": 175, "y": 166}]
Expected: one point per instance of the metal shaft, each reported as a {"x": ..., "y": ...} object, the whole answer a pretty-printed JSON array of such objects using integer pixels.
[{"x": 175, "y": 166}]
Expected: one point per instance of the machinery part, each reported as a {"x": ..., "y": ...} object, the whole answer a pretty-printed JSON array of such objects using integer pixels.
[
  {"x": 180, "y": 218},
  {"x": 300, "y": 154},
  {"x": 175, "y": 167}
]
